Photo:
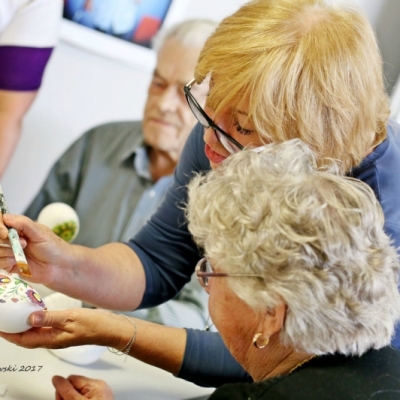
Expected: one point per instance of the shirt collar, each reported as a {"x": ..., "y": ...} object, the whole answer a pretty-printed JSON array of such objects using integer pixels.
[
  {"x": 141, "y": 163},
  {"x": 134, "y": 151}
]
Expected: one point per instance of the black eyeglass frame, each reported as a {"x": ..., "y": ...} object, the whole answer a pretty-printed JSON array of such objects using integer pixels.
[
  {"x": 201, "y": 275},
  {"x": 193, "y": 102}
]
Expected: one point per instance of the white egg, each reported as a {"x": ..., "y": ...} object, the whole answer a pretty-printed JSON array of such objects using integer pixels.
[
  {"x": 17, "y": 301},
  {"x": 62, "y": 219}
]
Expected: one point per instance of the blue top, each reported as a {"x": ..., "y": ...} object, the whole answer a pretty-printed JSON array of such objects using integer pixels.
[{"x": 169, "y": 255}]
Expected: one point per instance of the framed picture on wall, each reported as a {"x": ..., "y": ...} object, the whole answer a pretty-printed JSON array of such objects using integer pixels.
[{"x": 120, "y": 29}]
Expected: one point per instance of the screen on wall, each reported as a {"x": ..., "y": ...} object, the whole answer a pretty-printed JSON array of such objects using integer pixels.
[
  {"x": 121, "y": 30},
  {"x": 135, "y": 21}
]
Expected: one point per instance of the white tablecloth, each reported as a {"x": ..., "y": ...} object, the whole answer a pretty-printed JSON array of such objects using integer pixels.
[{"x": 130, "y": 380}]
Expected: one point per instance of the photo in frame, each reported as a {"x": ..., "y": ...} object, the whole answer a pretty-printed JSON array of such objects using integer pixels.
[{"x": 119, "y": 29}]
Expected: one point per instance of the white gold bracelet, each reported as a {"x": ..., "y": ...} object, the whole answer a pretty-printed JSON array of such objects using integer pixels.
[{"x": 126, "y": 349}]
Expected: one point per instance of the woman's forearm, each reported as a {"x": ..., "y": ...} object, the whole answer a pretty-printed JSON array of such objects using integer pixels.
[
  {"x": 157, "y": 345},
  {"x": 154, "y": 344},
  {"x": 110, "y": 276}
]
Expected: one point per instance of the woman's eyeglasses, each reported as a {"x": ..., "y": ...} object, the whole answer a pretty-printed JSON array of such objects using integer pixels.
[
  {"x": 229, "y": 143},
  {"x": 204, "y": 271}
]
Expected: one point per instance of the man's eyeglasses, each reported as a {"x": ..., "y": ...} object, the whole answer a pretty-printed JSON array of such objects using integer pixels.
[
  {"x": 204, "y": 271},
  {"x": 229, "y": 143}
]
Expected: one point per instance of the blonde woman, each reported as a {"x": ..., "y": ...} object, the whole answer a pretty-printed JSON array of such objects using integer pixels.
[{"x": 279, "y": 70}]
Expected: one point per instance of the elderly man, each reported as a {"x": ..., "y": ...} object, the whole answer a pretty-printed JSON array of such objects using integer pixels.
[{"x": 116, "y": 174}]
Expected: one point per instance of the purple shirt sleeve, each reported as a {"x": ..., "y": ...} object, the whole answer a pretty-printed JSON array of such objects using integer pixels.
[{"x": 22, "y": 68}]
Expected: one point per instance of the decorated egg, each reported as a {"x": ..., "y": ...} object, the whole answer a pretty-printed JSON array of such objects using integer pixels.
[
  {"x": 17, "y": 301},
  {"x": 61, "y": 219}
]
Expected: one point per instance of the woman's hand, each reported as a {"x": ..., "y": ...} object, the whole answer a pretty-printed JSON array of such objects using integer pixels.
[
  {"x": 43, "y": 249},
  {"x": 77, "y": 387},
  {"x": 74, "y": 327}
]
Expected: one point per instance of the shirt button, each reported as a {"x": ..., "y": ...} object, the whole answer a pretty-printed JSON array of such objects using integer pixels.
[{"x": 152, "y": 193}]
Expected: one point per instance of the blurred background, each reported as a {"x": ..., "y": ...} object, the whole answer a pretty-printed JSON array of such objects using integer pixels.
[{"x": 83, "y": 88}]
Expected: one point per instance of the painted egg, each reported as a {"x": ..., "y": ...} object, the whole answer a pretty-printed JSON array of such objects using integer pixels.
[
  {"x": 61, "y": 219},
  {"x": 17, "y": 301}
]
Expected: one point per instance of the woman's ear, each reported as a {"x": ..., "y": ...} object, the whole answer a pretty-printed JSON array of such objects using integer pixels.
[{"x": 273, "y": 319}]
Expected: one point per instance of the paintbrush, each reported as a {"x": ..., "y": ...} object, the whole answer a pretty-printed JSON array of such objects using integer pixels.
[{"x": 14, "y": 240}]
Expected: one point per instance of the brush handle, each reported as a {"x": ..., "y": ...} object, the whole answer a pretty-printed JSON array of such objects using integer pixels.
[{"x": 14, "y": 240}]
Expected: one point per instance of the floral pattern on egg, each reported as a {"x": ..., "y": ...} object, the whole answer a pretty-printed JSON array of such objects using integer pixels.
[
  {"x": 15, "y": 289},
  {"x": 35, "y": 298},
  {"x": 4, "y": 279}
]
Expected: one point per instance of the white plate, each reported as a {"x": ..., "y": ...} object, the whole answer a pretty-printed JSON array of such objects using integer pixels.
[{"x": 81, "y": 355}]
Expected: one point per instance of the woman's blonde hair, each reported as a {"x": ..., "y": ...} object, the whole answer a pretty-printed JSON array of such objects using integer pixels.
[
  {"x": 310, "y": 70},
  {"x": 315, "y": 237}
]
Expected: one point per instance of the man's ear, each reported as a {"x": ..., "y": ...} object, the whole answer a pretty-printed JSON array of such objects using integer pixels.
[{"x": 273, "y": 319}]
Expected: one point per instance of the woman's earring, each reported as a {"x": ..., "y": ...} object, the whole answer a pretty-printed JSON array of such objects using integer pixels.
[
  {"x": 263, "y": 343},
  {"x": 208, "y": 324}
]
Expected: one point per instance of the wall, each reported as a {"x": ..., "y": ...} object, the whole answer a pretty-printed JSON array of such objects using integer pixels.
[
  {"x": 82, "y": 89},
  {"x": 388, "y": 32}
]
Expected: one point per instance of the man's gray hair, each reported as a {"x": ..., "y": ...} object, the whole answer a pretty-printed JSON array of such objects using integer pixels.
[
  {"x": 315, "y": 237},
  {"x": 193, "y": 32}
]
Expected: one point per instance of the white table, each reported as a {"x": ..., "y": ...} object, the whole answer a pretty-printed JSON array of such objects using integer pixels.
[{"x": 129, "y": 380}]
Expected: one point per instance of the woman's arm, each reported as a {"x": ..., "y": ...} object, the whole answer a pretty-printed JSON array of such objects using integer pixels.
[
  {"x": 197, "y": 356},
  {"x": 13, "y": 106},
  {"x": 110, "y": 276},
  {"x": 157, "y": 345}
]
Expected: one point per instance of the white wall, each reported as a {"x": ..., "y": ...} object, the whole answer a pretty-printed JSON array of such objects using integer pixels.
[{"x": 82, "y": 89}]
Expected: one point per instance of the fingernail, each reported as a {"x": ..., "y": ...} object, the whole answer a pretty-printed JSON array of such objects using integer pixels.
[
  {"x": 9, "y": 217},
  {"x": 36, "y": 320}
]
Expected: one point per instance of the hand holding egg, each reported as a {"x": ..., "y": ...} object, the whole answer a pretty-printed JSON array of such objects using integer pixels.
[
  {"x": 61, "y": 219},
  {"x": 17, "y": 301}
]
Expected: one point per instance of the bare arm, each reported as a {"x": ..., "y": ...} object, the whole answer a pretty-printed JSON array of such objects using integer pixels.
[
  {"x": 13, "y": 106},
  {"x": 111, "y": 276},
  {"x": 74, "y": 327}
]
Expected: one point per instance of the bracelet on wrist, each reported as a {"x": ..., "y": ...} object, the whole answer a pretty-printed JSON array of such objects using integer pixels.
[{"x": 127, "y": 348}]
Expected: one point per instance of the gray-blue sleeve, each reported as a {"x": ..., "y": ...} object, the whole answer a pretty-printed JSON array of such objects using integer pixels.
[{"x": 207, "y": 361}]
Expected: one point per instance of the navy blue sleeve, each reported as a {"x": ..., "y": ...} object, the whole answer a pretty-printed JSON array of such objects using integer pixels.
[
  {"x": 164, "y": 245},
  {"x": 207, "y": 361},
  {"x": 380, "y": 170}
]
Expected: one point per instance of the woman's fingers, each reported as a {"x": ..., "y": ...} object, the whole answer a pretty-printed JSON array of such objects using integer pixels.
[
  {"x": 78, "y": 387},
  {"x": 65, "y": 389}
]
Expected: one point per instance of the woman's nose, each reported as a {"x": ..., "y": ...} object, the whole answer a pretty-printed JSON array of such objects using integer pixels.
[{"x": 210, "y": 137}]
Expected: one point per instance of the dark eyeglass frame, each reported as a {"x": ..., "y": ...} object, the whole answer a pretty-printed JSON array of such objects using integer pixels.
[
  {"x": 230, "y": 144},
  {"x": 202, "y": 275}
]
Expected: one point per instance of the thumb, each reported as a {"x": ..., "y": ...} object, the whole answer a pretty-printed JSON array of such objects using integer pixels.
[
  {"x": 55, "y": 319},
  {"x": 23, "y": 225}
]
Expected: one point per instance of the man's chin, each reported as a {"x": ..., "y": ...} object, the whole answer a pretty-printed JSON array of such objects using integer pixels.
[
  {"x": 154, "y": 134},
  {"x": 162, "y": 146}
]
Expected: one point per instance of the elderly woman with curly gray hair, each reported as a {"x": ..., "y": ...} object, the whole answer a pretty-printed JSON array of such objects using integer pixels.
[{"x": 302, "y": 282}]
